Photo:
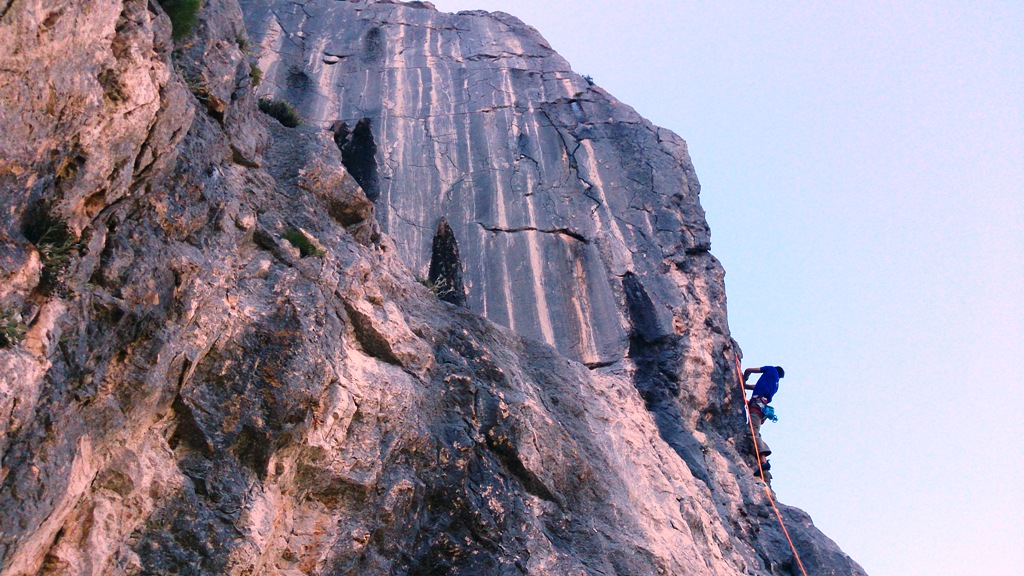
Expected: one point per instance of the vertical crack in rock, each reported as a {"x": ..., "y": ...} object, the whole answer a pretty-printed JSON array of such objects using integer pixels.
[
  {"x": 445, "y": 273},
  {"x": 658, "y": 360},
  {"x": 359, "y": 154}
]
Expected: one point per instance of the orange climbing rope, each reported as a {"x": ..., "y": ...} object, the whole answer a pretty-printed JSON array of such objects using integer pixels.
[{"x": 757, "y": 453}]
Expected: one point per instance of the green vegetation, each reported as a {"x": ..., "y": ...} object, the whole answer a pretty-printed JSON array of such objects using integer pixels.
[
  {"x": 67, "y": 169},
  {"x": 199, "y": 88},
  {"x": 256, "y": 73},
  {"x": 56, "y": 247},
  {"x": 12, "y": 330},
  {"x": 440, "y": 288},
  {"x": 303, "y": 243},
  {"x": 281, "y": 110},
  {"x": 112, "y": 87},
  {"x": 183, "y": 16}
]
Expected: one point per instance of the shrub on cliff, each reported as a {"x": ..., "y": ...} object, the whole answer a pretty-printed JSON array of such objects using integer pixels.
[
  {"x": 12, "y": 330},
  {"x": 306, "y": 245},
  {"x": 256, "y": 73},
  {"x": 57, "y": 246},
  {"x": 182, "y": 14},
  {"x": 281, "y": 110}
]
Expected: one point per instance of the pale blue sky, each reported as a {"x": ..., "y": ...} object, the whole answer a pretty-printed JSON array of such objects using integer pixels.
[{"x": 862, "y": 167}]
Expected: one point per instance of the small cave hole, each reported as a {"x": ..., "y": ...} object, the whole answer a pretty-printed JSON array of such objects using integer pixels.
[
  {"x": 359, "y": 154},
  {"x": 445, "y": 275}
]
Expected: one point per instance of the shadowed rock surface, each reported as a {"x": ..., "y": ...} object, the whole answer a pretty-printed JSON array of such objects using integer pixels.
[
  {"x": 445, "y": 275},
  {"x": 229, "y": 366}
]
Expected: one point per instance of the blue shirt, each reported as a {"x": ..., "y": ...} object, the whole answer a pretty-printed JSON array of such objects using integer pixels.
[{"x": 768, "y": 384}]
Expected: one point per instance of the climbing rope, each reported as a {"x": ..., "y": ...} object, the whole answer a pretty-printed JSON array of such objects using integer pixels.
[{"x": 760, "y": 469}]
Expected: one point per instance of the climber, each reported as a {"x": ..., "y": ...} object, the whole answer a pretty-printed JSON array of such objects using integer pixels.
[{"x": 766, "y": 387}]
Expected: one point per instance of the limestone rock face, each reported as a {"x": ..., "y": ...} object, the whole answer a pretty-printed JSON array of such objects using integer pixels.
[
  {"x": 553, "y": 188},
  {"x": 229, "y": 365}
]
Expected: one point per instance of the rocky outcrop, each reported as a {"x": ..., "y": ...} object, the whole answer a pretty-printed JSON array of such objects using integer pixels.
[{"x": 229, "y": 366}]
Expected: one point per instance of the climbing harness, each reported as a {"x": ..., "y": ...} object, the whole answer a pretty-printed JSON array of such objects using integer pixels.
[{"x": 760, "y": 469}]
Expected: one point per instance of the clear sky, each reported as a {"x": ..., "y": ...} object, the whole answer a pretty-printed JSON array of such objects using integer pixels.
[{"x": 862, "y": 168}]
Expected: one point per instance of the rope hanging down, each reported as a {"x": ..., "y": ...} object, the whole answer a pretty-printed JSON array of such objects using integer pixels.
[{"x": 757, "y": 454}]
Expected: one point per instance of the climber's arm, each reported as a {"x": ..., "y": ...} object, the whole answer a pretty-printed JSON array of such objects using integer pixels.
[{"x": 746, "y": 376}]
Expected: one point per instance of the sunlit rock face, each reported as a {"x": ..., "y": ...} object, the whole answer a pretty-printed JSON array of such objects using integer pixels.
[
  {"x": 553, "y": 188},
  {"x": 233, "y": 347}
]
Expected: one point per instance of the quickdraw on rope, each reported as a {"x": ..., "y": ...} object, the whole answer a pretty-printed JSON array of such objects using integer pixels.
[{"x": 757, "y": 454}]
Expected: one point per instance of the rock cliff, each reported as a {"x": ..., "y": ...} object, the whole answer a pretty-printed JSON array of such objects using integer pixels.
[
  {"x": 462, "y": 320},
  {"x": 553, "y": 188}
]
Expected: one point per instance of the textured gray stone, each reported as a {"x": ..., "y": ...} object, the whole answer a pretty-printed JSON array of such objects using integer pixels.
[
  {"x": 552, "y": 187},
  {"x": 202, "y": 398}
]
